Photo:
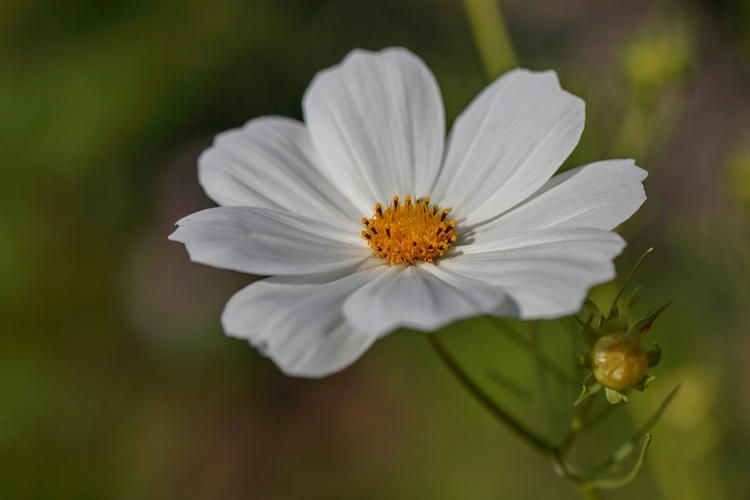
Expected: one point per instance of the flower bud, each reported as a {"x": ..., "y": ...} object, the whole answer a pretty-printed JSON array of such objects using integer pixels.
[{"x": 618, "y": 361}]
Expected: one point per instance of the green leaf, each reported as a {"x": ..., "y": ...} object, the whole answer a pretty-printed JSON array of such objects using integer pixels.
[
  {"x": 615, "y": 397},
  {"x": 654, "y": 356},
  {"x": 642, "y": 326},
  {"x": 590, "y": 386}
]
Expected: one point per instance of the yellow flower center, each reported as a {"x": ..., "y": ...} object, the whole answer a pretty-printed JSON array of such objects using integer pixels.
[{"x": 409, "y": 231}]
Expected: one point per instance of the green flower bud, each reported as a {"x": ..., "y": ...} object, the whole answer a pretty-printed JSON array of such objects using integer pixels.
[{"x": 619, "y": 361}]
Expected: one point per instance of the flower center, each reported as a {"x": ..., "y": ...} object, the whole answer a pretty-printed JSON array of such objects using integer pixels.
[{"x": 409, "y": 231}]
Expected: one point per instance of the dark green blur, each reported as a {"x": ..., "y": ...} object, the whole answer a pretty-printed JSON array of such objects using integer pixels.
[{"x": 116, "y": 380}]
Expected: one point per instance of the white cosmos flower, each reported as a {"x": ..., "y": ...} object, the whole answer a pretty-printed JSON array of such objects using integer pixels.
[{"x": 293, "y": 198}]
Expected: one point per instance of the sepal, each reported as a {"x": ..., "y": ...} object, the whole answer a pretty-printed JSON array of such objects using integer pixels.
[
  {"x": 643, "y": 384},
  {"x": 588, "y": 334},
  {"x": 615, "y": 397},
  {"x": 654, "y": 356},
  {"x": 593, "y": 309},
  {"x": 614, "y": 323},
  {"x": 642, "y": 326},
  {"x": 590, "y": 387}
]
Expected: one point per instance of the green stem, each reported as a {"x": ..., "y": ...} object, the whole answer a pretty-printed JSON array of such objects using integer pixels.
[
  {"x": 535, "y": 441},
  {"x": 590, "y": 489},
  {"x": 576, "y": 426},
  {"x": 490, "y": 36}
]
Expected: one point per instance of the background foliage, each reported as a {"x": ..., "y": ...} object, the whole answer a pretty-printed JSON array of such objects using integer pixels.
[{"x": 115, "y": 378}]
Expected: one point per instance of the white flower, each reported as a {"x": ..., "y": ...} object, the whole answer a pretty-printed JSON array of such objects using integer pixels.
[{"x": 294, "y": 198}]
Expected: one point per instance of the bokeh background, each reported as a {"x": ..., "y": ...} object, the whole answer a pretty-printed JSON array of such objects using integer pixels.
[{"x": 116, "y": 380}]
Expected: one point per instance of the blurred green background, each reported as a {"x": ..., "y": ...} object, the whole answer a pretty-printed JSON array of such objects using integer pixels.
[{"x": 116, "y": 380}]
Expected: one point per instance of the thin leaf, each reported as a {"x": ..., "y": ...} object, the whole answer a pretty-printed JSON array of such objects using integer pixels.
[
  {"x": 632, "y": 298},
  {"x": 592, "y": 308},
  {"x": 609, "y": 484},
  {"x": 630, "y": 276}
]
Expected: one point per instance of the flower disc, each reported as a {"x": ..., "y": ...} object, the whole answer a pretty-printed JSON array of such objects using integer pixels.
[{"x": 409, "y": 231}]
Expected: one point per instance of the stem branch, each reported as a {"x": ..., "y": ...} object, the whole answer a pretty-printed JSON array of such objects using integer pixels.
[
  {"x": 535, "y": 441},
  {"x": 490, "y": 36}
]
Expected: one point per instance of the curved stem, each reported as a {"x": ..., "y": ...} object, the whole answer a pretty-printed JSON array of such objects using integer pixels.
[
  {"x": 535, "y": 441},
  {"x": 590, "y": 489}
]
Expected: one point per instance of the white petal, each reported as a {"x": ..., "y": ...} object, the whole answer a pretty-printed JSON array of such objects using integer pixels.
[
  {"x": 599, "y": 195},
  {"x": 507, "y": 144},
  {"x": 421, "y": 296},
  {"x": 378, "y": 125},
  {"x": 547, "y": 273},
  {"x": 262, "y": 241},
  {"x": 270, "y": 163},
  {"x": 297, "y": 320}
]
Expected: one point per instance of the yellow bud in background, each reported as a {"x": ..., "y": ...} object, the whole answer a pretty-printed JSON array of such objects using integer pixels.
[{"x": 661, "y": 56}]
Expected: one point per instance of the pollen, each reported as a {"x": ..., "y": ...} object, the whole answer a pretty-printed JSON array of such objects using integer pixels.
[{"x": 409, "y": 231}]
